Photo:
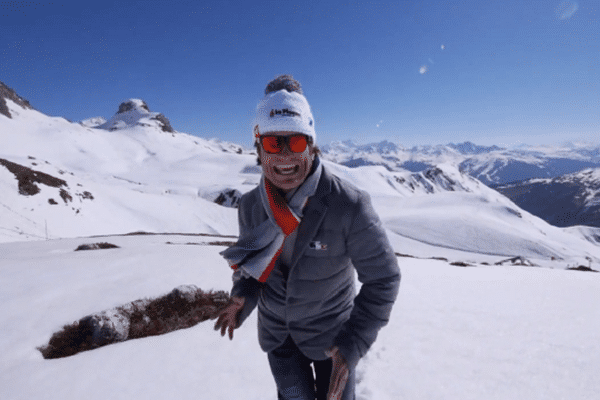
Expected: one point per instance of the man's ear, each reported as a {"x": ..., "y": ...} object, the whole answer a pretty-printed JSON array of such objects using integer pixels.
[{"x": 312, "y": 153}]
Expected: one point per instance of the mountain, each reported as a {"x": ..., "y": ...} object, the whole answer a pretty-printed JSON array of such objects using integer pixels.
[
  {"x": 572, "y": 199},
  {"x": 490, "y": 164},
  {"x": 135, "y": 112},
  {"x": 7, "y": 93},
  {"x": 471, "y": 148},
  {"x": 61, "y": 180}
]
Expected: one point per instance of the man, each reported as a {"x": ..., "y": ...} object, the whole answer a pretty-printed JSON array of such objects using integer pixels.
[{"x": 303, "y": 233}]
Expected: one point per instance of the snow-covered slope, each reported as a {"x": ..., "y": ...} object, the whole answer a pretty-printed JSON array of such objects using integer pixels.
[
  {"x": 62, "y": 179},
  {"x": 455, "y": 333},
  {"x": 130, "y": 179},
  {"x": 572, "y": 199},
  {"x": 442, "y": 207}
]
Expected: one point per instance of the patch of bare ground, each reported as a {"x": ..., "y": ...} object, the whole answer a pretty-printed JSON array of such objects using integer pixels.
[
  {"x": 28, "y": 178},
  {"x": 182, "y": 308},
  {"x": 460, "y": 264},
  {"x": 582, "y": 268},
  {"x": 96, "y": 246}
]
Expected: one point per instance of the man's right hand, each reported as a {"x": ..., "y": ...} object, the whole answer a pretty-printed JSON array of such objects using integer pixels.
[{"x": 228, "y": 318}]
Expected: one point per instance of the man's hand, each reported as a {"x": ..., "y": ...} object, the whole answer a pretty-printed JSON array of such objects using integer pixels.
[
  {"x": 228, "y": 318},
  {"x": 339, "y": 374}
]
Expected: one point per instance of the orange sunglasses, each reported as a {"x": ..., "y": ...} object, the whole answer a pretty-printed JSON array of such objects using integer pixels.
[{"x": 274, "y": 144}]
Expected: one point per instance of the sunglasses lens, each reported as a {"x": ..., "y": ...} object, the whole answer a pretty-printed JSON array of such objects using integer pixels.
[
  {"x": 297, "y": 143},
  {"x": 272, "y": 144}
]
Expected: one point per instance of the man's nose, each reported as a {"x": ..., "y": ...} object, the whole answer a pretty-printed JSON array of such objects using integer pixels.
[{"x": 285, "y": 151}]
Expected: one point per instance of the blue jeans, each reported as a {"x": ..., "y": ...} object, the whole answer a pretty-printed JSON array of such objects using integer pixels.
[{"x": 296, "y": 379}]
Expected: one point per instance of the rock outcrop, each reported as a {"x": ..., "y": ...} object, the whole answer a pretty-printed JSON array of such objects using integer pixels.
[
  {"x": 135, "y": 112},
  {"x": 10, "y": 94}
]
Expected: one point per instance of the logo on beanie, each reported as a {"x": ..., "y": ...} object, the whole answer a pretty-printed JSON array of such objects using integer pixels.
[{"x": 284, "y": 113}]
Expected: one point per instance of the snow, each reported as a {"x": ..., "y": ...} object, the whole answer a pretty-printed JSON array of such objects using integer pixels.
[
  {"x": 478, "y": 332},
  {"x": 482, "y": 332}
]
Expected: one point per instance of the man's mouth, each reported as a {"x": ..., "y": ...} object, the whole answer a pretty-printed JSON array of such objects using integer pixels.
[{"x": 286, "y": 169}]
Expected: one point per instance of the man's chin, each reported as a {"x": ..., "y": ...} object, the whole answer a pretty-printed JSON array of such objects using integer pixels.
[{"x": 286, "y": 185}]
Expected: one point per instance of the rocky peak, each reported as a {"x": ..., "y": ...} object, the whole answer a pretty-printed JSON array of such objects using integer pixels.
[
  {"x": 8, "y": 93},
  {"x": 133, "y": 104},
  {"x": 135, "y": 112}
]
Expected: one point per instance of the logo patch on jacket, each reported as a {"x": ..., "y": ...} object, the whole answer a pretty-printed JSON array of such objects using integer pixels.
[{"x": 317, "y": 245}]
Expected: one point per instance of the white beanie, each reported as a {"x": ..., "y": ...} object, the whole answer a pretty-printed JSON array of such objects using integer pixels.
[{"x": 283, "y": 111}]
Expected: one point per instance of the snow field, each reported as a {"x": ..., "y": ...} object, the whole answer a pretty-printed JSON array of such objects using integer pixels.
[{"x": 483, "y": 332}]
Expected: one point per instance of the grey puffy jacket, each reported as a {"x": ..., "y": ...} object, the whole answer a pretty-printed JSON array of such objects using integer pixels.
[{"x": 314, "y": 299}]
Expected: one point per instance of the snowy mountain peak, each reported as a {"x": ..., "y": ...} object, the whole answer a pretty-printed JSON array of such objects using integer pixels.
[
  {"x": 472, "y": 148},
  {"x": 135, "y": 112},
  {"x": 133, "y": 104},
  {"x": 10, "y": 94}
]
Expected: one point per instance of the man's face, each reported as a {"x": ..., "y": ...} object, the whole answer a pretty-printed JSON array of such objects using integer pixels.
[{"x": 286, "y": 169}]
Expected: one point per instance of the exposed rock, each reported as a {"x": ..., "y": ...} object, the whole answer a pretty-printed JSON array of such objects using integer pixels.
[
  {"x": 28, "y": 178},
  {"x": 8, "y": 93},
  {"x": 133, "y": 104},
  {"x": 135, "y": 112},
  {"x": 460, "y": 264},
  {"x": 96, "y": 246},
  {"x": 582, "y": 268},
  {"x": 86, "y": 195},
  {"x": 229, "y": 198},
  {"x": 517, "y": 261},
  {"x": 65, "y": 196},
  {"x": 107, "y": 327},
  {"x": 164, "y": 123}
]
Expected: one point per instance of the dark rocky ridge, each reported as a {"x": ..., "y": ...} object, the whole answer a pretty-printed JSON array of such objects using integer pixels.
[
  {"x": 165, "y": 125},
  {"x": 28, "y": 178},
  {"x": 130, "y": 105},
  {"x": 8, "y": 93}
]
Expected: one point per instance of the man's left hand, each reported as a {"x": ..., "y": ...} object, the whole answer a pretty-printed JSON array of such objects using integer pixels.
[{"x": 339, "y": 374}]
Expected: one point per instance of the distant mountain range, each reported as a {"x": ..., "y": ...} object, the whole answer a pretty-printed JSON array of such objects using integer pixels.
[
  {"x": 568, "y": 200},
  {"x": 559, "y": 185},
  {"x": 492, "y": 165}
]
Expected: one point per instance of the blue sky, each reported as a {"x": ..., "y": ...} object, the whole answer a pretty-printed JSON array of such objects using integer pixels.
[{"x": 414, "y": 72}]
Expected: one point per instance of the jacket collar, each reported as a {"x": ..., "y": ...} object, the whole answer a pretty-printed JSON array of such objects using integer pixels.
[{"x": 313, "y": 215}]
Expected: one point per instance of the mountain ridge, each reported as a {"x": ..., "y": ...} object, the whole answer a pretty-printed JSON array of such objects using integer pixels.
[
  {"x": 492, "y": 165},
  {"x": 575, "y": 198}
]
